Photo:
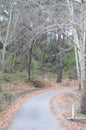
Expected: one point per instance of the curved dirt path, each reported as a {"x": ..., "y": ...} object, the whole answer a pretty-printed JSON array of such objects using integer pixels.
[{"x": 35, "y": 114}]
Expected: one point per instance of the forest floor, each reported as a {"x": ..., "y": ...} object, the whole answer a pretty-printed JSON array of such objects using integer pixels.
[{"x": 64, "y": 100}]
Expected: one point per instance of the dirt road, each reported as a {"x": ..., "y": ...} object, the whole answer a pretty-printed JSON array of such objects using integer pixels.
[{"x": 35, "y": 114}]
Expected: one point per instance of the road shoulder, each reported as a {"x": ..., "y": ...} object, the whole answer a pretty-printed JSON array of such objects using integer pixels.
[{"x": 61, "y": 106}]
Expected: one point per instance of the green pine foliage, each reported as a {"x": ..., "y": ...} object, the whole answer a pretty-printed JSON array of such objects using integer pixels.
[{"x": 68, "y": 61}]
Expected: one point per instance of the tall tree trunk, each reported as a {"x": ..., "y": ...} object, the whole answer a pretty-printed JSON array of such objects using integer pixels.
[
  {"x": 82, "y": 60},
  {"x": 79, "y": 39},
  {"x": 83, "y": 100},
  {"x": 77, "y": 57},
  {"x": 30, "y": 60},
  {"x": 60, "y": 65},
  {"x": 29, "y": 65}
]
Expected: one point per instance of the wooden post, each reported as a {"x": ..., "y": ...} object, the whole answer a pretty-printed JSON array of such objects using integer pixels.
[{"x": 73, "y": 111}]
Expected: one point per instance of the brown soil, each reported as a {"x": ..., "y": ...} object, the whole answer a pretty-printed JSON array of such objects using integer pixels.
[{"x": 61, "y": 108}]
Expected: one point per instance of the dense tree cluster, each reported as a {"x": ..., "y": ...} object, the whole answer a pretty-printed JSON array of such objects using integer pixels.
[{"x": 28, "y": 27}]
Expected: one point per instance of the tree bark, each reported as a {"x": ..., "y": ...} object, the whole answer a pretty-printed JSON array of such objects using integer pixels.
[
  {"x": 77, "y": 61},
  {"x": 30, "y": 60},
  {"x": 83, "y": 100},
  {"x": 60, "y": 65}
]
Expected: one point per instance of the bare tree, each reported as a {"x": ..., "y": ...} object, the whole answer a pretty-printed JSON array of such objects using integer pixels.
[
  {"x": 8, "y": 35},
  {"x": 39, "y": 16},
  {"x": 79, "y": 39}
]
